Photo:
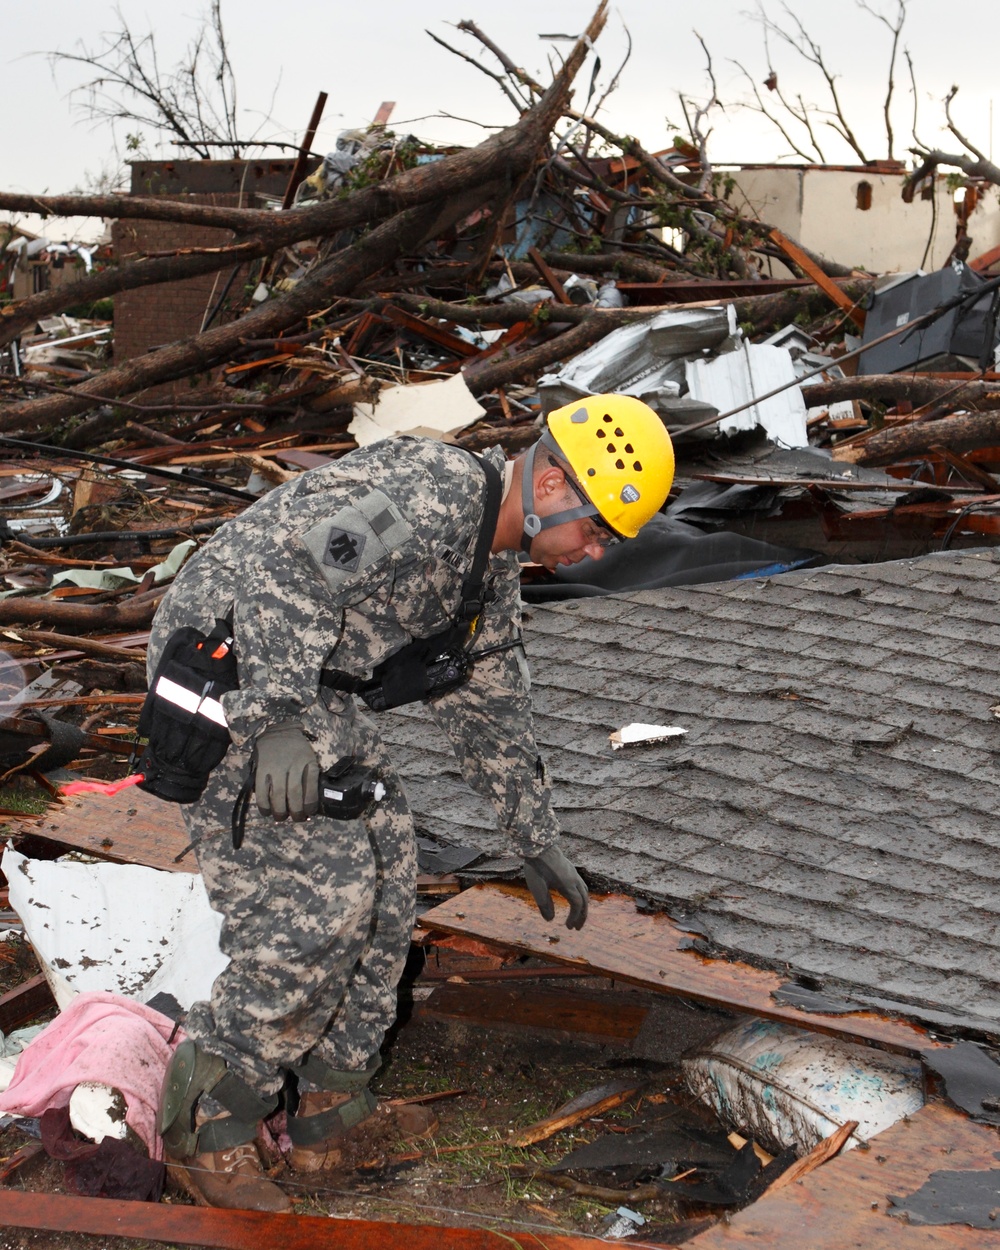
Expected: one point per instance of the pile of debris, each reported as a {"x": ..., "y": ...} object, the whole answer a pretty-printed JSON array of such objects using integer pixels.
[{"x": 820, "y": 414}]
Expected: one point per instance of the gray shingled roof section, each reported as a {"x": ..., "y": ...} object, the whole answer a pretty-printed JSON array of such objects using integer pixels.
[{"x": 833, "y": 808}]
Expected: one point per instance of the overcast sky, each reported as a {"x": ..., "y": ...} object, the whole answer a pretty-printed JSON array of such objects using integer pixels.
[{"x": 362, "y": 54}]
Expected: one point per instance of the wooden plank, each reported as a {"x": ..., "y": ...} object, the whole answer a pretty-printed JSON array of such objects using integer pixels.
[
  {"x": 985, "y": 260},
  {"x": 430, "y": 332},
  {"x": 821, "y": 1153},
  {"x": 249, "y": 1230},
  {"x": 129, "y": 828},
  {"x": 24, "y": 1002},
  {"x": 520, "y": 1007},
  {"x": 648, "y": 950},
  {"x": 845, "y": 1202},
  {"x": 813, "y": 271},
  {"x": 547, "y": 276}
]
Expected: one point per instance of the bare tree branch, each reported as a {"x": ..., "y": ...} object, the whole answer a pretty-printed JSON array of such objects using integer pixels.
[
  {"x": 195, "y": 101},
  {"x": 972, "y": 168},
  {"x": 519, "y": 105},
  {"x": 966, "y": 143},
  {"x": 894, "y": 28},
  {"x": 775, "y": 121}
]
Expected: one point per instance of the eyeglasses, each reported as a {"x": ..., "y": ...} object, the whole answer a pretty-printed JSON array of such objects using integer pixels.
[{"x": 603, "y": 534}]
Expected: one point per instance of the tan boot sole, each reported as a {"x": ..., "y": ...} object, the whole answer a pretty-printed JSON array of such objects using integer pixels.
[{"x": 182, "y": 1177}]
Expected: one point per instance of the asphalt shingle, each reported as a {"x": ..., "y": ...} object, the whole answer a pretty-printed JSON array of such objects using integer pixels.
[{"x": 834, "y": 804}]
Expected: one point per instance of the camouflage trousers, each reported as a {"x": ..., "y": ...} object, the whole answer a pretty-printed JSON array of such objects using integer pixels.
[{"x": 317, "y": 918}]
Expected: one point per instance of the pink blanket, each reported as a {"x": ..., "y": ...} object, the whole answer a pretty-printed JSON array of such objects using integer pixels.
[{"x": 99, "y": 1037}]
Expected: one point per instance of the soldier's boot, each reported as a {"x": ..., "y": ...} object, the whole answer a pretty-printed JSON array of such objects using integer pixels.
[
  {"x": 208, "y": 1120},
  {"x": 335, "y": 1107}
]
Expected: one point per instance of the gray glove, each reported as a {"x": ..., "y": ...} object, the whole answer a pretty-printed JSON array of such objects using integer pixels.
[
  {"x": 551, "y": 870},
  {"x": 287, "y": 777}
]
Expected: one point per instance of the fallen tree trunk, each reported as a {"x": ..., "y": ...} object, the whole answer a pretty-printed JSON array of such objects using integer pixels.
[
  {"x": 527, "y": 364},
  {"x": 958, "y": 434},
  {"x": 195, "y": 355},
  {"x": 507, "y": 154},
  {"x": 761, "y": 312},
  {"x": 445, "y": 190},
  {"x": 894, "y": 388},
  {"x": 132, "y": 614}
]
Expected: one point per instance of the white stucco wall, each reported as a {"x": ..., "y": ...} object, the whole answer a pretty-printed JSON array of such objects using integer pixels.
[{"x": 818, "y": 207}]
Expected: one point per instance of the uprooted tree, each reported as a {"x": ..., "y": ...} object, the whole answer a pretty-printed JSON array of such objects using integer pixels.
[{"x": 393, "y": 213}]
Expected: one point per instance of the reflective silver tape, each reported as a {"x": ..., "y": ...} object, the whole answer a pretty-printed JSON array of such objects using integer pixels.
[{"x": 191, "y": 702}]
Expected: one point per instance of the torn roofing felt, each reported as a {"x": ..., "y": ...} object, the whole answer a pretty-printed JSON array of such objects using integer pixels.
[{"x": 833, "y": 807}]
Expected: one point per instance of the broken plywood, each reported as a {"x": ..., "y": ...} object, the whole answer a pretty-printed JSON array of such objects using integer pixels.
[
  {"x": 846, "y": 1201},
  {"x": 130, "y": 828},
  {"x": 650, "y": 950}
]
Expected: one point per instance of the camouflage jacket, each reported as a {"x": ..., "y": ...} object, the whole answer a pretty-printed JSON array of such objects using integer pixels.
[{"x": 341, "y": 567}]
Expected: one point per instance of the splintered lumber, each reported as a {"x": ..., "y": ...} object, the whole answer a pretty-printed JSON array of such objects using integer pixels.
[
  {"x": 247, "y": 1230},
  {"x": 650, "y": 950},
  {"x": 827, "y": 1149},
  {"x": 812, "y": 270},
  {"x": 846, "y": 1202},
  {"x": 87, "y": 646},
  {"x": 30, "y": 1150},
  {"x": 593, "y": 1102}
]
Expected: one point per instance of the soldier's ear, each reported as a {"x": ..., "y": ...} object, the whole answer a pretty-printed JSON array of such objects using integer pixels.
[{"x": 551, "y": 481}]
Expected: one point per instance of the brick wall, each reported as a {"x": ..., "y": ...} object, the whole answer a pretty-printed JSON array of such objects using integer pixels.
[{"x": 151, "y": 316}]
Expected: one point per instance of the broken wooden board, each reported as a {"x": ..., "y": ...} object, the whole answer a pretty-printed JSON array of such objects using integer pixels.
[
  {"x": 650, "y": 950},
  {"x": 129, "y": 828},
  {"x": 846, "y": 1201},
  {"x": 526, "y": 1007},
  {"x": 249, "y": 1230}
]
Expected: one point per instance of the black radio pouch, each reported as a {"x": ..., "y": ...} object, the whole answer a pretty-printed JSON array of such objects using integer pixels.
[
  {"x": 427, "y": 667},
  {"x": 182, "y": 718}
]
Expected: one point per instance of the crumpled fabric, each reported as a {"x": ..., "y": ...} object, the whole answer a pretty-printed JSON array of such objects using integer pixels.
[
  {"x": 109, "y": 1169},
  {"x": 99, "y": 1037}
]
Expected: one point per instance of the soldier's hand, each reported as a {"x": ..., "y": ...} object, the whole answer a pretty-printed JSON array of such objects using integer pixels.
[
  {"x": 551, "y": 870},
  {"x": 287, "y": 779}
]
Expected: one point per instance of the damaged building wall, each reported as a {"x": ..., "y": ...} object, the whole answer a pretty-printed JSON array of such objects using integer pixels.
[
  {"x": 825, "y": 208},
  {"x": 147, "y": 317}
]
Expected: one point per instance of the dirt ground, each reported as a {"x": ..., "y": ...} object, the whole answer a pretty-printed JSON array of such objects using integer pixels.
[{"x": 497, "y": 1081}]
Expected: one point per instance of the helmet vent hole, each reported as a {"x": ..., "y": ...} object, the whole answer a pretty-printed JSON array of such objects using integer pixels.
[
  {"x": 591, "y": 473},
  {"x": 619, "y": 464},
  {"x": 607, "y": 419},
  {"x": 601, "y": 434},
  {"x": 637, "y": 466},
  {"x": 630, "y": 449},
  {"x": 611, "y": 448},
  {"x": 620, "y": 433}
]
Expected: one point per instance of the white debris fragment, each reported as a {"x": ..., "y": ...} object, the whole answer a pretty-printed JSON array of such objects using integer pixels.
[
  {"x": 122, "y": 928},
  {"x": 645, "y": 734},
  {"x": 97, "y": 1111}
]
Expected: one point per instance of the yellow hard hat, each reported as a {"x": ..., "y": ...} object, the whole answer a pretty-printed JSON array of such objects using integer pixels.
[{"x": 621, "y": 454}]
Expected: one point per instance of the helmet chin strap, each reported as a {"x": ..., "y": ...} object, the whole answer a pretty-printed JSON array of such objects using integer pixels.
[{"x": 533, "y": 523}]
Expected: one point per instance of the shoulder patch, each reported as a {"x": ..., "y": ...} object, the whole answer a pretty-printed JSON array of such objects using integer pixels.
[
  {"x": 355, "y": 538},
  {"x": 344, "y": 549}
]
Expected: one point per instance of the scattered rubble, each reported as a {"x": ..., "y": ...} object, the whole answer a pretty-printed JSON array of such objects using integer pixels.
[{"x": 834, "y": 416}]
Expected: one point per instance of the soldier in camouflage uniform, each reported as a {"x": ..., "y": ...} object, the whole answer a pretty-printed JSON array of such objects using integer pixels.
[{"x": 338, "y": 569}]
